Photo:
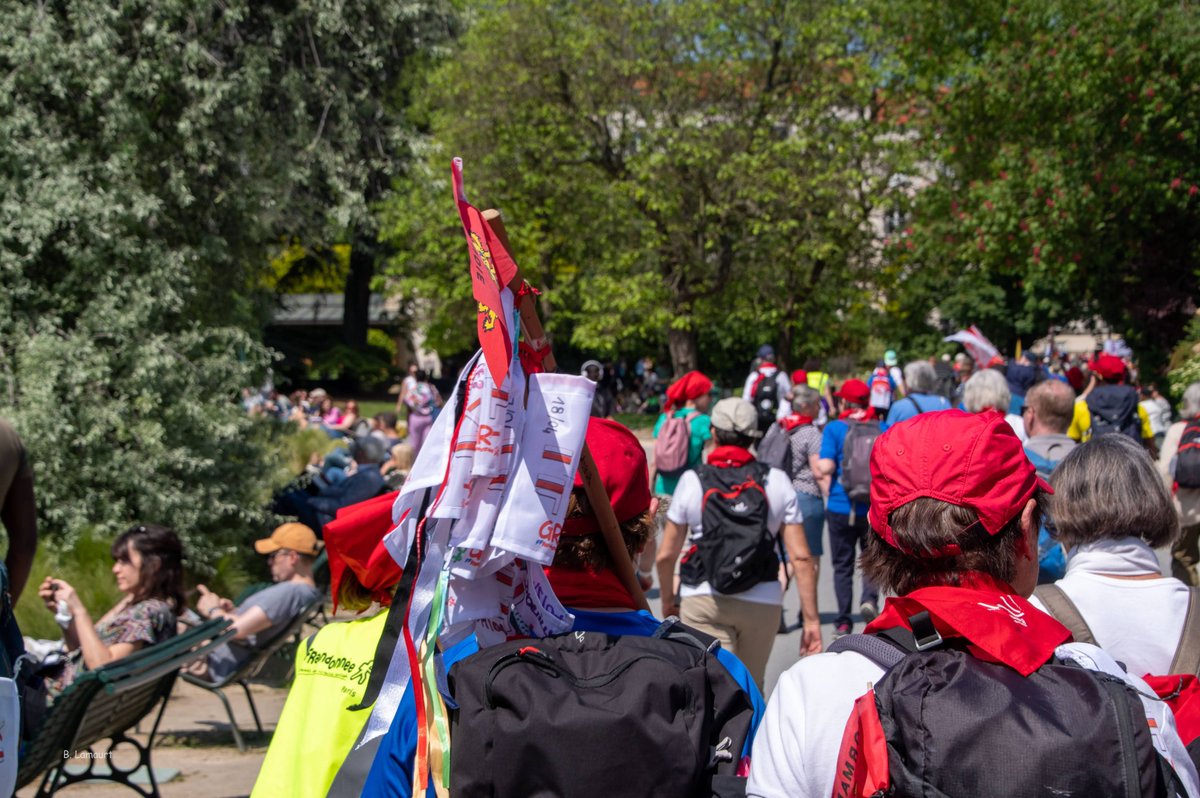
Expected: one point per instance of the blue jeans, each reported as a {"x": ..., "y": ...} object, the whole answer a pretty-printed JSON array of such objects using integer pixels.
[
  {"x": 845, "y": 540},
  {"x": 813, "y": 510}
]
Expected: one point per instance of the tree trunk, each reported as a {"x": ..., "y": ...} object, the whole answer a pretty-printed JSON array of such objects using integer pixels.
[
  {"x": 786, "y": 344},
  {"x": 356, "y": 303},
  {"x": 685, "y": 355}
]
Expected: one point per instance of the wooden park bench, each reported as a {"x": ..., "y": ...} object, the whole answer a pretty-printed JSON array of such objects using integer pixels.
[
  {"x": 104, "y": 704},
  {"x": 263, "y": 652}
]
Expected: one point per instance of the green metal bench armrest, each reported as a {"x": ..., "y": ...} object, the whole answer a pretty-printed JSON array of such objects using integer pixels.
[
  {"x": 150, "y": 672},
  {"x": 187, "y": 646}
]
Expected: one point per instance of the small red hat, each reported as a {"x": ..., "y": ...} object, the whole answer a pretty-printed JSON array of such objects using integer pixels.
[
  {"x": 972, "y": 460},
  {"x": 621, "y": 461},
  {"x": 354, "y": 540},
  {"x": 854, "y": 391},
  {"x": 799, "y": 377},
  {"x": 690, "y": 386},
  {"x": 1109, "y": 367}
]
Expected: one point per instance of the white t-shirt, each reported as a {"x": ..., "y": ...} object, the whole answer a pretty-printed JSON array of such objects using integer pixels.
[
  {"x": 782, "y": 508},
  {"x": 795, "y": 752},
  {"x": 1137, "y": 621},
  {"x": 783, "y": 387}
]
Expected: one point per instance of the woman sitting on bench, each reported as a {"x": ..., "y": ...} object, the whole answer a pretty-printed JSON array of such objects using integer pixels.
[{"x": 149, "y": 570}]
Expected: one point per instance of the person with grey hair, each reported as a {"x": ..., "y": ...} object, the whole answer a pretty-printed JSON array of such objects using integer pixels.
[
  {"x": 986, "y": 391},
  {"x": 1111, "y": 511},
  {"x": 810, "y": 484},
  {"x": 1186, "y": 553},
  {"x": 921, "y": 380}
]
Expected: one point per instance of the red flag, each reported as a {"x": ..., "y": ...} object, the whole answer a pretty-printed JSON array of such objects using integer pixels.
[
  {"x": 492, "y": 268},
  {"x": 977, "y": 345},
  {"x": 862, "y": 768}
]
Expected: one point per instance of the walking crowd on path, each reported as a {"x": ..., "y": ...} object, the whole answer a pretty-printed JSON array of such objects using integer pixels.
[
  {"x": 1020, "y": 637},
  {"x": 1002, "y": 519}
]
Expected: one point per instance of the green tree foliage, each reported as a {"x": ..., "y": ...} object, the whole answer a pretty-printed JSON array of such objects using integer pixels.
[
  {"x": 1061, "y": 139},
  {"x": 684, "y": 173},
  {"x": 152, "y": 155}
]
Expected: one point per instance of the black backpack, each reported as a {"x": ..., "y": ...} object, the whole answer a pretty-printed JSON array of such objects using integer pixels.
[
  {"x": 590, "y": 714},
  {"x": 1187, "y": 461},
  {"x": 1114, "y": 410},
  {"x": 766, "y": 400},
  {"x": 956, "y": 725},
  {"x": 856, "y": 459},
  {"x": 736, "y": 550}
]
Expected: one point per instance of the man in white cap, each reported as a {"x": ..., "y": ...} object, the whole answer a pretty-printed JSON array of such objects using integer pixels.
[{"x": 730, "y": 511}]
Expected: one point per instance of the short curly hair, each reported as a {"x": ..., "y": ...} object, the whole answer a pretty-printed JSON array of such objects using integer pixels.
[{"x": 589, "y": 552}]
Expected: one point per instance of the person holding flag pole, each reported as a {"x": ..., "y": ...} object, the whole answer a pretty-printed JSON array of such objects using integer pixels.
[{"x": 479, "y": 520}]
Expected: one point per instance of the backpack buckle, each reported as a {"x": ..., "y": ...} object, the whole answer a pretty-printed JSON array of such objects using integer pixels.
[{"x": 925, "y": 633}]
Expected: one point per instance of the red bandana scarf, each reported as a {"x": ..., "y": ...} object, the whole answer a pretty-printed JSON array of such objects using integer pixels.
[
  {"x": 729, "y": 457},
  {"x": 793, "y": 420},
  {"x": 852, "y": 413},
  {"x": 998, "y": 625}
]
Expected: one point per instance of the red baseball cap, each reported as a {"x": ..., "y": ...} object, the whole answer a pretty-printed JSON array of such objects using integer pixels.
[
  {"x": 1110, "y": 367},
  {"x": 799, "y": 377},
  {"x": 621, "y": 461},
  {"x": 973, "y": 460},
  {"x": 854, "y": 391}
]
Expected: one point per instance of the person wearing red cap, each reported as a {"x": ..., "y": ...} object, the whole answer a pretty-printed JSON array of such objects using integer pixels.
[
  {"x": 954, "y": 513},
  {"x": 1114, "y": 407},
  {"x": 582, "y": 580},
  {"x": 847, "y": 522},
  {"x": 688, "y": 398},
  {"x": 688, "y": 401}
]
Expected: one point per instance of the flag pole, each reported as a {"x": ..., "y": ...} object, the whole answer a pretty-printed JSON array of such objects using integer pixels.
[{"x": 598, "y": 498}]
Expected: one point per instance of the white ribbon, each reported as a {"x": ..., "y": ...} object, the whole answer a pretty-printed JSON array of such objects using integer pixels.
[{"x": 556, "y": 419}]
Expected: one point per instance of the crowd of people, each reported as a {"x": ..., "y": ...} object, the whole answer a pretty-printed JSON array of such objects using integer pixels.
[{"x": 1002, "y": 520}]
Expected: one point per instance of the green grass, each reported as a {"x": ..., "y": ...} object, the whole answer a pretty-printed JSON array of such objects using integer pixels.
[
  {"x": 369, "y": 407},
  {"x": 87, "y": 567},
  {"x": 296, "y": 449}
]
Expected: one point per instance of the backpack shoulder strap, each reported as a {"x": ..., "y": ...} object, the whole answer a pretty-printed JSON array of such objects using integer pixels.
[
  {"x": 675, "y": 630},
  {"x": 887, "y": 647},
  {"x": 1187, "y": 655},
  {"x": 883, "y": 653},
  {"x": 1065, "y": 612}
]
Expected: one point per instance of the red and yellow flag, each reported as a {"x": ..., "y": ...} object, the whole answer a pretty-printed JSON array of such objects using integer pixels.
[{"x": 492, "y": 269}]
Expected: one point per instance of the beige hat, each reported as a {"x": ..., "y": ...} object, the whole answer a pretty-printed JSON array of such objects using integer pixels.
[
  {"x": 736, "y": 415},
  {"x": 293, "y": 536}
]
